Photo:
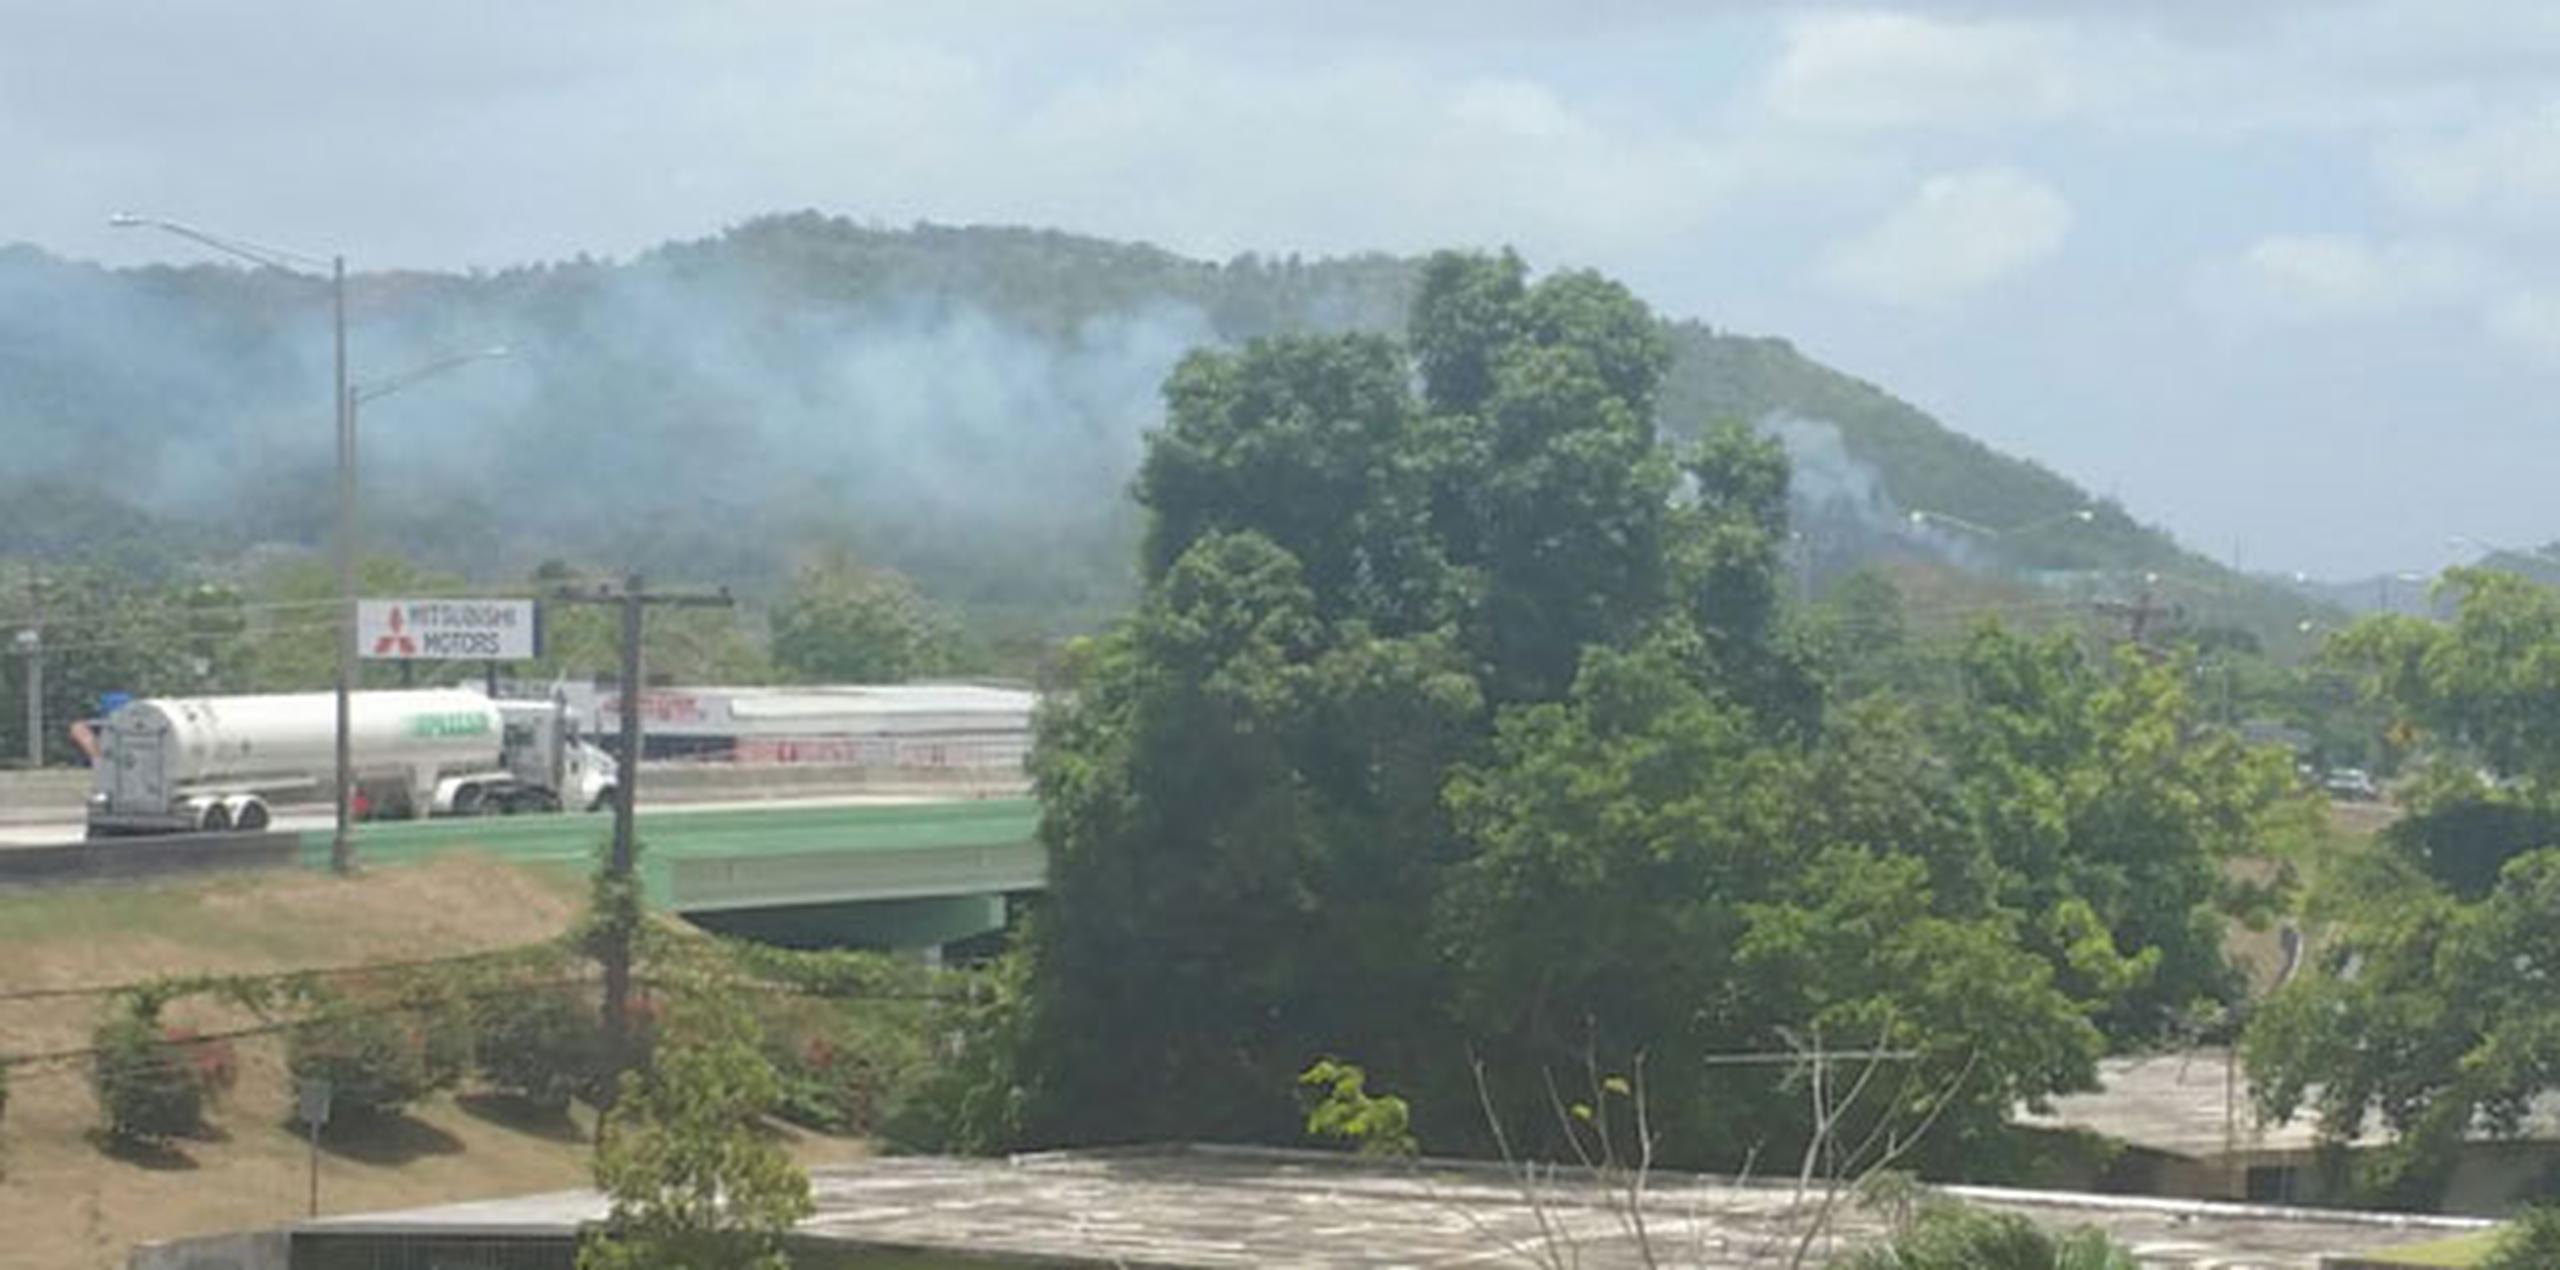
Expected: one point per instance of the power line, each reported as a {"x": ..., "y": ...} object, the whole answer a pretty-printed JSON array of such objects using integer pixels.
[
  {"x": 179, "y": 600},
  {"x": 164, "y": 636},
  {"x": 633, "y": 600},
  {"x": 280, "y": 976}
]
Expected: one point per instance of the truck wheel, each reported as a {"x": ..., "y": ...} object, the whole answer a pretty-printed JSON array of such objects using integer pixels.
[
  {"x": 252, "y": 817},
  {"x": 604, "y": 799},
  {"x": 216, "y": 819},
  {"x": 468, "y": 801}
]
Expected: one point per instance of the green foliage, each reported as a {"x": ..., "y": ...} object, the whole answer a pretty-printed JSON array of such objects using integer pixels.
[
  {"x": 1953, "y": 1236},
  {"x": 2100, "y": 795},
  {"x": 148, "y": 1089},
  {"x": 2484, "y": 687},
  {"x": 1654, "y": 876},
  {"x": 843, "y": 1066},
  {"x": 974, "y": 1098},
  {"x": 1344, "y": 1110},
  {"x": 377, "y": 1058},
  {"x": 841, "y": 622},
  {"x": 2530, "y": 1242},
  {"x": 2445, "y": 1022},
  {"x": 542, "y": 1043},
  {"x": 696, "y": 1182},
  {"x": 1457, "y": 722},
  {"x": 798, "y": 372},
  {"x": 2429, "y": 1013}
]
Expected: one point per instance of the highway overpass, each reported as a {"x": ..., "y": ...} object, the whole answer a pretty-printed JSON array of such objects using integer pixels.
[
  {"x": 902, "y": 874},
  {"x": 911, "y": 876}
]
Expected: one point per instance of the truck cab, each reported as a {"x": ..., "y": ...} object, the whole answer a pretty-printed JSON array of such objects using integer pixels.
[{"x": 546, "y": 764}]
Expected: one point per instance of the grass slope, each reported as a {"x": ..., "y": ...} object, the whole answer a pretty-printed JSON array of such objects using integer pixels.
[{"x": 65, "y": 1204}]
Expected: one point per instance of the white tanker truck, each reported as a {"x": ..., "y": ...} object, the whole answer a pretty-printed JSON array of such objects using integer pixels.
[{"x": 210, "y": 764}]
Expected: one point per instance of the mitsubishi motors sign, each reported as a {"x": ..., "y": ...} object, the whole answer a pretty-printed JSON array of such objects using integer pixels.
[{"x": 447, "y": 630}]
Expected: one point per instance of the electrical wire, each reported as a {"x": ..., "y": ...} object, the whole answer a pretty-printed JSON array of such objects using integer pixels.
[{"x": 283, "y": 976}]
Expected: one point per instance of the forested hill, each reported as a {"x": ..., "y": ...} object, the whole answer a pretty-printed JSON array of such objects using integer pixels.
[{"x": 964, "y": 404}]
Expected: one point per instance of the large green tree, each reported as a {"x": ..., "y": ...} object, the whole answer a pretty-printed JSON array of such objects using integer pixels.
[
  {"x": 1471, "y": 719},
  {"x": 2109, "y": 810},
  {"x": 1240, "y": 804},
  {"x": 843, "y": 622},
  {"x": 2427, "y": 1020},
  {"x": 1243, "y": 784},
  {"x": 1655, "y": 877},
  {"x": 2429, "y": 1012}
]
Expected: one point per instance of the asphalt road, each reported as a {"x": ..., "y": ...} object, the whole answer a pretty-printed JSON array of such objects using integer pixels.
[{"x": 307, "y": 818}]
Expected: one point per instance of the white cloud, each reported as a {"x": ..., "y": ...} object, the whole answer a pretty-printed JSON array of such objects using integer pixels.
[
  {"x": 2506, "y": 167},
  {"x": 1898, "y": 70},
  {"x": 2329, "y": 277},
  {"x": 2311, "y": 280},
  {"x": 2529, "y": 322},
  {"x": 1959, "y": 232}
]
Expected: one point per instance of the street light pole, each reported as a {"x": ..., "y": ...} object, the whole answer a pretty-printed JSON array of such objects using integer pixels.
[
  {"x": 341, "y": 405},
  {"x": 342, "y": 846}
]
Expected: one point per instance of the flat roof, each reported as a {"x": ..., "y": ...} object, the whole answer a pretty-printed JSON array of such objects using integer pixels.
[
  {"x": 2197, "y": 1104},
  {"x": 1204, "y": 1206}
]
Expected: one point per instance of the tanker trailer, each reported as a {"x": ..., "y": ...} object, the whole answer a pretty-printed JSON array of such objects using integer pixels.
[{"x": 209, "y": 764}]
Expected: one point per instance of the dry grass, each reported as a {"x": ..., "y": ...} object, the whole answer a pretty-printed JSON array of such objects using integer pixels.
[{"x": 65, "y": 1203}]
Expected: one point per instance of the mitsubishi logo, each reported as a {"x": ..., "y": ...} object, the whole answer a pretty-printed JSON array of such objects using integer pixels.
[{"x": 396, "y": 640}]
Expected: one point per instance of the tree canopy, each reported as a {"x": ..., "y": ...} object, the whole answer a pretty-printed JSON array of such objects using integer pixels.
[
  {"x": 2429, "y": 1012},
  {"x": 1461, "y": 715}
]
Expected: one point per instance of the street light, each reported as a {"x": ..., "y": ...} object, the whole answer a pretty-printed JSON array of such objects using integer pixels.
[
  {"x": 1920, "y": 518},
  {"x": 342, "y": 841},
  {"x": 388, "y": 385}
]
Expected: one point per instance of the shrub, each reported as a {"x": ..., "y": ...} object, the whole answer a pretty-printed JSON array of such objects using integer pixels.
[
  {"x": 215, "y": 1065},
  {"x": 840, "y": 1071},
  {"x": 149, "y": 1089},
  {"x": 440, "y": 1015},
  {"x": 545, "y": 1044},
  {"x": 2532, "y": 1242},
  {"x": 1947, "y": 1236},
  {"x": 376, "y": 1061}
]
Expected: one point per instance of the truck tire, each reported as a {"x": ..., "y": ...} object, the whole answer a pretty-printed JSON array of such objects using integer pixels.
[
  {"x": 469, "y": 800},
  {"x": 216, "y": 819},
  {"x": 252, "y": 817}
]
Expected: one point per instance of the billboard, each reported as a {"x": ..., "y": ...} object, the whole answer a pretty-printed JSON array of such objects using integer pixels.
[{"x": 448, "y": 630}]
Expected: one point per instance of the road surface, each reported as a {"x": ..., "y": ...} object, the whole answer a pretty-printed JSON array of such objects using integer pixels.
[{"x": 308, "y": 818}]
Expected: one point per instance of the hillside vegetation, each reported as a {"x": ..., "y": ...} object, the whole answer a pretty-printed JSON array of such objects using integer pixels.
[{"x": 964, "y": 405}]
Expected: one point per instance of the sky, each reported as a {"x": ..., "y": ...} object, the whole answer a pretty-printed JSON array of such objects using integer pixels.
[{"x": 2281, "y": 276}]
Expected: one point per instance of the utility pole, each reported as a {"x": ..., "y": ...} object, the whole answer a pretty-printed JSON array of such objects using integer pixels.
[
  {"x": 633, "y": 599},
  {"x": 342, "y": 841},
  {"x": 31, "y": 641},
  {"x": 2138, "y": 614}
]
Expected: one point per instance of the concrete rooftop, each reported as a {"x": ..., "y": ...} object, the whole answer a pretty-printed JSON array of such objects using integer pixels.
[
  {"x": 2186, "y": 1103},
  {"x": 1218, "y": 1207}
]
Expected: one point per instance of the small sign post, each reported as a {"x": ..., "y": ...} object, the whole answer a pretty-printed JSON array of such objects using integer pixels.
[{"x": 311, "y": 1105}]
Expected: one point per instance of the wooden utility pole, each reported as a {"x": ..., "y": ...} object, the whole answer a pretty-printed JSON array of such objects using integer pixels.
[
  {"x": 2138, "y": 614},
  {"x": 633, "y": 599},
  {"x": 31, "y": 642}
]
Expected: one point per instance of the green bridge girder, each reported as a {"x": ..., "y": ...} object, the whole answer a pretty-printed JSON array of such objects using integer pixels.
[{"x": 904, "y": 876}]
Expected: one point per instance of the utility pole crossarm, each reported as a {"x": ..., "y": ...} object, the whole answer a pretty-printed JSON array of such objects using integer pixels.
[
  {"x": 2138, "y": 614},
  {"x": 633, "y": 599}
]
